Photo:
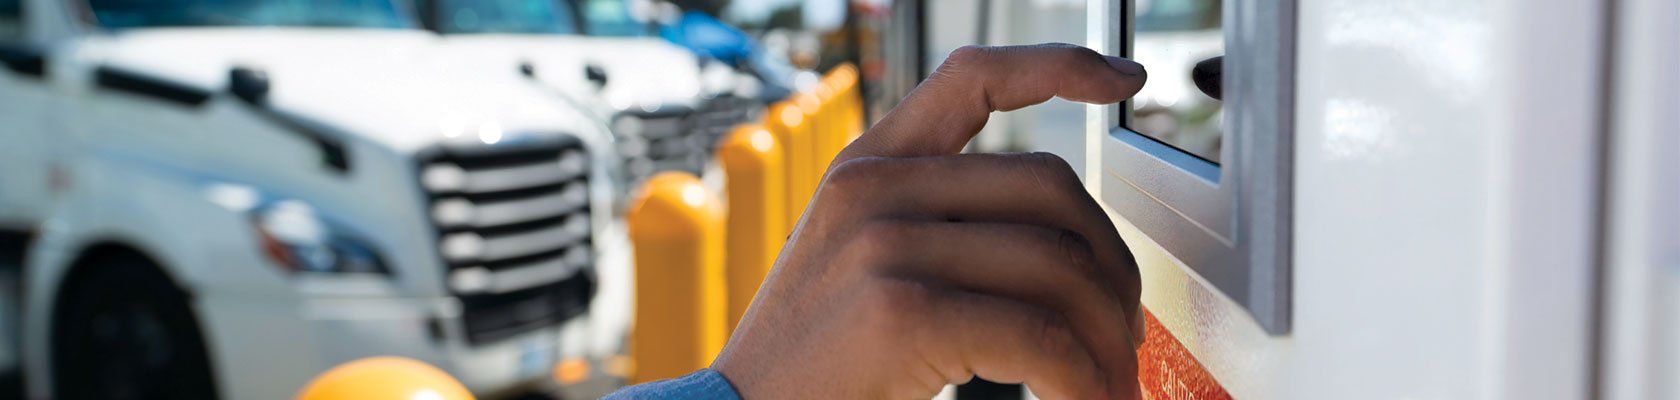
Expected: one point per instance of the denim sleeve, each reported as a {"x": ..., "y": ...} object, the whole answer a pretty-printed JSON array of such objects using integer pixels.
[{"x": 705, "y": 384}]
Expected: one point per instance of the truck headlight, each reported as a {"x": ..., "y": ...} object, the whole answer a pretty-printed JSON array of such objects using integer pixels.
[{"x": 295, "y": 237}]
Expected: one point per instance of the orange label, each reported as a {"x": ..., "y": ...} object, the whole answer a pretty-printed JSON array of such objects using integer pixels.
[{"x": 1168, "y": 371}]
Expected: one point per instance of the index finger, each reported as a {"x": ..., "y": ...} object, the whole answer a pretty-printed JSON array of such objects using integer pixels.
[{"x": 948, "y": 109}]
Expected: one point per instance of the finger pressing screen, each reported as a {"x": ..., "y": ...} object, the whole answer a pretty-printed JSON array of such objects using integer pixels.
[{"x": 947, "y": 110}]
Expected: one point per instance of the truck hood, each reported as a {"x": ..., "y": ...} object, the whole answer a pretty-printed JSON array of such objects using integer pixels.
[
  {"x": 641, "y": 73},
  {"x": 387, "y": 86}
]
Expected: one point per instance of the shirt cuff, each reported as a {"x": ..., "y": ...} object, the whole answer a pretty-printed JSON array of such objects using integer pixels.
[{"x": 704, "y": 384}]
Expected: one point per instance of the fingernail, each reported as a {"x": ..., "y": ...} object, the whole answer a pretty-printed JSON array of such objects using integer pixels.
[{"x": 1125, "y": 66}]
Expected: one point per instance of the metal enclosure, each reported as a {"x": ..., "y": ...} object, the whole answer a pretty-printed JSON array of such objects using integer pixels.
[
  {"x": 1463, "y": 197},
  {"x": 1229, "y": 223}
]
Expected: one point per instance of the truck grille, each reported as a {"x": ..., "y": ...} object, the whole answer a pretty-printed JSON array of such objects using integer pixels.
[
  {"x": 514, "y": 228},
  {"x": 681, "y": 140},
  {"x": 718, "y": 116}
]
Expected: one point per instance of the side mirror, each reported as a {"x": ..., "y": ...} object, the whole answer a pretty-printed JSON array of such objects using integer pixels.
[
  {"x": 595, "y": 74},
  {"x": 527, "y": 69},
  {"x": 1209, "y": 76},
  {"x": 248, "y": 84}
]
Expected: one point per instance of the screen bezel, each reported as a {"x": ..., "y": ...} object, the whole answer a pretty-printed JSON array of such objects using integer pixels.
[{"x": 1228, "y": 221}]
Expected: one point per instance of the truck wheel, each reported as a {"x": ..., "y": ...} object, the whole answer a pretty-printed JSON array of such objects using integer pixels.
[{"x": 126, "y": 332}]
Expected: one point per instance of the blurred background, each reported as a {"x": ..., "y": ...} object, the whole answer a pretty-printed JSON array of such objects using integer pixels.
[
  {"x": 232, "y": 196},
  {"x": 557, "y": 198},
  {"x": 227, "y": 198}
]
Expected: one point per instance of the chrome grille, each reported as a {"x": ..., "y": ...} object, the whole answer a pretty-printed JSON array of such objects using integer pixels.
[
  {"x": 718, "y": 116},
  {"x": 513, "y": 225},
  {"x": 678, "y": 140}
]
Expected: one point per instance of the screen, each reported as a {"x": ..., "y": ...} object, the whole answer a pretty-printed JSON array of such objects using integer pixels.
[{"x": 1169, "y": 38}]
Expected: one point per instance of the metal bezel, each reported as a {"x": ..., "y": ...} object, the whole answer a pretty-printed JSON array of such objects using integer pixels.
[{"x": 1229, "y": 222}]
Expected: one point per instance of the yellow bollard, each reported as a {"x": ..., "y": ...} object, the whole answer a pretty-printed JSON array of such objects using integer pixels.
[
  {"x": 849, "y": 98},
  {"x": 817, "y": 127},
  {"x": 676, "y": 228},
  {"x": 384, "y": 378},
  {"x": 787, "y": 122},
  {"x": 756, "y": 192},
  {"x": 824, "y": 124}
]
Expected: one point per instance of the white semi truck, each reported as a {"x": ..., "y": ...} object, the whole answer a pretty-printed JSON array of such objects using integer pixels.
[
  {"x": 223, "y": 200},
  {"x": 666, "y": 106}
]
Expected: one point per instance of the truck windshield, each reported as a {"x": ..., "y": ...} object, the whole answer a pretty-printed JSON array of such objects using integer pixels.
[
  {"x": 1177, "y": 15},
  {"x": 119, "y": 14},
  {"x": 504, "y": 16},
  {"x": 613, "y": 18}
]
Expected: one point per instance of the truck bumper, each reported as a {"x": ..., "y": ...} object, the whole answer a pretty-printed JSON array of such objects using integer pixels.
[{"x": 272, "y": 349}]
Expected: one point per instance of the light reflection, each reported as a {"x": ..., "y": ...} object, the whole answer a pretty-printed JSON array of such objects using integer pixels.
[
  {"x": 426, "y": 394},
  {"x": 233, "y": 197},
  {"x": 694, "y": 195},
  {"x": 490, "y": 133},
  {"x": 452, "y": 125},
  {"x": 761, "y": 141},
  {"x": 620, "y": 100},
  {"x": 808, "y": 103},
  {"x": 1444, "y": 35},
  {"x": 1356, "y": 130},
  {"x": 791, "y": 116}
]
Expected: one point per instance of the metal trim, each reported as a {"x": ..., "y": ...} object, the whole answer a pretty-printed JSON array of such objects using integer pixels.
[{"x": 1229, "y": 223}]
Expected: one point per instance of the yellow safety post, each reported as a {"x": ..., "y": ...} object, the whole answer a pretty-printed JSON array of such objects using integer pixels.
[
  {"x": 816, "y": 125},
  {"x": 787, "y": 122},
  {"x": 822, "y": 123},
  {"x": 831, "y": 92},
  {"x": 676, "y": 228},
  {"x": 756, "y": 192},
  {"x": 830, "y": 122},
  {"x": 849, "y": 99},
  {"x": 384, "y": 378}
]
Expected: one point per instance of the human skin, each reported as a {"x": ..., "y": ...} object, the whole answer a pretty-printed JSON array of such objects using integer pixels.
[{"x": 917, "y": 267}]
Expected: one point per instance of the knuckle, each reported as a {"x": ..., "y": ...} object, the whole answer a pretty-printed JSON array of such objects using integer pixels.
[
  {"x": 958, "y": 74},
  {"x": 1049, "y": 171},
  {"x": 1055, "y": 336},
  {"x": 965, "y": 55},
  {"x": 910, "y": 296},
  {"x": 853, "y": 177},
  {"x": 1081, "y": 257},
  {"x": 894, "y": 306},
  {"x": 878, "y": 240},
  {"x": 1077, "y": 251}
]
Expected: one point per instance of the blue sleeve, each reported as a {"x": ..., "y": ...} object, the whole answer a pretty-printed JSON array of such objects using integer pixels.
[{"x": 705, "y": 384}]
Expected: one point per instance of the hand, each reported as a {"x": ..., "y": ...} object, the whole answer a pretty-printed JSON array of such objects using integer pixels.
[{"x": 916, "y": 267}]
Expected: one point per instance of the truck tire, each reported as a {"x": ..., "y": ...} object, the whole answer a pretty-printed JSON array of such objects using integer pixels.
[{"x": 125, "y": 331}]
